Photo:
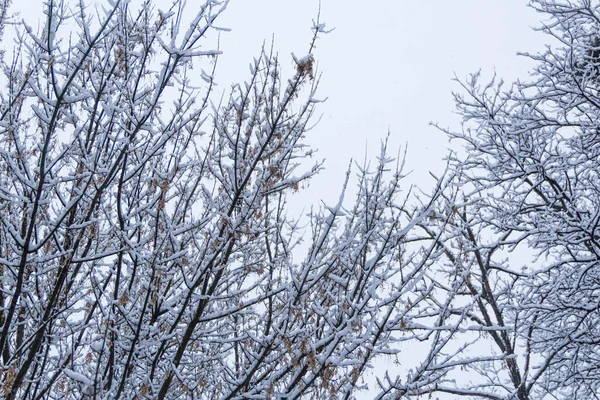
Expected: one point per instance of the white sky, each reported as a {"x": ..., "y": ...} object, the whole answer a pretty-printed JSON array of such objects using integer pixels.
[{"x": 388, "y": 64}]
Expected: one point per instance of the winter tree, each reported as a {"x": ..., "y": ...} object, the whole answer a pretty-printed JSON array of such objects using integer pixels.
[
  {"x": 146, "y": 250},
  {"x": 511, "y": 326}
]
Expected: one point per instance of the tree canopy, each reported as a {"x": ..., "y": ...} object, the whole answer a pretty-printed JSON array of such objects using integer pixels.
[{"x": 147, "y": 249}]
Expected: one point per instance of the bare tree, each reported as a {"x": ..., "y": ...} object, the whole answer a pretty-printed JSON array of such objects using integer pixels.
[
  {"x": 145, "y": 247},
  {"x": 528, "y": 183}
]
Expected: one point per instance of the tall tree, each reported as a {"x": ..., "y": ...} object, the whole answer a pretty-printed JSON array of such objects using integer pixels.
[
  {"x": 529, "y": 184},
  {"x": 145, "y": 247}
]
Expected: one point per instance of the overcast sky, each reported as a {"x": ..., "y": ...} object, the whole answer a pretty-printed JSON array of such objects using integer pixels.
[{"x": 388, "y": 64}]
